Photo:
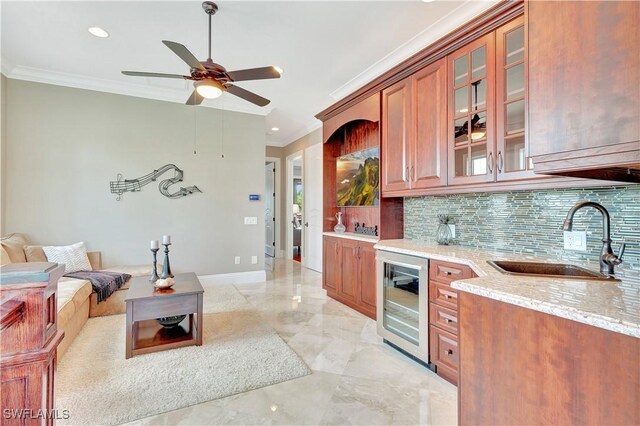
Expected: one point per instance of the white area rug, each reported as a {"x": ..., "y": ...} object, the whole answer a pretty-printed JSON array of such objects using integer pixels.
[{"x": 239, "y": 353}]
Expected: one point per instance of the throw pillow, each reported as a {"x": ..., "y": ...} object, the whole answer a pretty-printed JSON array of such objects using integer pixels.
[
  {"x": 35, "y": 254},
  {"x": 74, "y": 257},
  {"x": 14, "y": 244},
  {"x": 4, "y": 257}
]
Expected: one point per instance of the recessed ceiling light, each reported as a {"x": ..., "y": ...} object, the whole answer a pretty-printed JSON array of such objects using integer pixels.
[
  {"x": 98, "y": 32},
  {"x": 275, "y": 129},
  {"x": 280, "y": 70}
]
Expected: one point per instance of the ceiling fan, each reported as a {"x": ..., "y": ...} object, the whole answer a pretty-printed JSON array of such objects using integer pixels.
[{"x": 212, "y": 79}]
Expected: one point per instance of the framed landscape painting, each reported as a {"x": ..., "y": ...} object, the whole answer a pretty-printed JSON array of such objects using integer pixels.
[{"x": 358, "y": 178}]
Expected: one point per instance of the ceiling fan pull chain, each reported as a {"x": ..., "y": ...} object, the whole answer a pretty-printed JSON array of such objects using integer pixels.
[{"x": 209, "y": 37}]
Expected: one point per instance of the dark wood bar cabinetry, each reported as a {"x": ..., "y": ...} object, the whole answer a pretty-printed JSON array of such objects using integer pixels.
[
  {"x": 350, "y": 273},
  {"x": 523, "y": 367},
  {"x": 443, "y": 317},
  {"x": 584, "y": 102},
  {"x": 29, "y": 337}
]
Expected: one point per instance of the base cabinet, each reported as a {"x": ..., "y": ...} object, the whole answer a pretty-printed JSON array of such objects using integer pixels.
[
  {"x": 523, "y": 367},
  {"x": 443, "y": 317},
  {"x": 349, "y": 273}
]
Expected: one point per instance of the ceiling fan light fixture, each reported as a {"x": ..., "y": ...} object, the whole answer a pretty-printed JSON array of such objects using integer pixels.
[
  {"x": 98, "y": 32},
  {"x": 477, "y": 135},
  {"x": 209, "y": 89},
  {"x": 280, "y": 70}
]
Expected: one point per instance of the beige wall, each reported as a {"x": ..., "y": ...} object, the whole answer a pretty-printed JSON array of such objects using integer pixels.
[
  {"x": 306, "y": 141},
  {"x": 65, "y": 145},
  {"x": 3, "y": 131}
]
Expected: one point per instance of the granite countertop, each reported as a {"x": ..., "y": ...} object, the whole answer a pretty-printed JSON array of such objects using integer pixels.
[
  {"x": 353, "y": 236},
  {"x": 609, "y": 305}
]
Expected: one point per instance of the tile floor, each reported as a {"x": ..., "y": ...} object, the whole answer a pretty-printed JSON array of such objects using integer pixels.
[{"x": 356, "y": 378}]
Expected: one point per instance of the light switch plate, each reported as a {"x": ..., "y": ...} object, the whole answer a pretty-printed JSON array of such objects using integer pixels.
[
  {"x": 575, "y": 240},
  {"x": 253, "y": 220},
  {"x": 254, "y": 260},
  {"x": 453, "y": 231},
  {"x": 237, "y": 260}
]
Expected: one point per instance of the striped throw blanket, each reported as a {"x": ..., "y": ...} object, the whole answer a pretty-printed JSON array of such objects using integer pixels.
[{"x": 104, "y": 283}]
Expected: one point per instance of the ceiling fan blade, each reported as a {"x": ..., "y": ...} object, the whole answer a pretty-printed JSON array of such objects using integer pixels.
[
  {"x": 184, "y": 54},
  {"x": 195, "y": 98},
  {"x": 154, "y": 74},
  {"x": 247, "y": 95},
  {"x": 254, "y": 74}
]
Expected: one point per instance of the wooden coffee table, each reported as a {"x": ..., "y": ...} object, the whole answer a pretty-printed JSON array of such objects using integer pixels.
[{"x": 145, "y": 303}]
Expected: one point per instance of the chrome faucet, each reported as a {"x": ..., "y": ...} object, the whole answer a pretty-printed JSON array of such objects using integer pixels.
[{"x": 607, "y": 259}]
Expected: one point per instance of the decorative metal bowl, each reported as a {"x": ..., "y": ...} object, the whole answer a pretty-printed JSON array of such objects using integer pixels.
[
  {"x": 164, "y": 283},
  {"x": 170, "y": 322}
]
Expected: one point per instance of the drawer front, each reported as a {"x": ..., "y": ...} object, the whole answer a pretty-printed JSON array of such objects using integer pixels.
[
  {"x": 163, "y": 307},
  {"x": 446, "y": 319},
  {"x": 447, "y": 272},
  {"x": 445, "y": 348},
  {"x": 443, "y": 295}
]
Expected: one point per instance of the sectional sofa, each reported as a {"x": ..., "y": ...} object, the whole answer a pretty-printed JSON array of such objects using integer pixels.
[{"x": 76, "y": 300}]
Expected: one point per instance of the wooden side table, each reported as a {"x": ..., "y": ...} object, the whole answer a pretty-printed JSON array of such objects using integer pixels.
[
  {"x": 145, "y": 304},
  {"x": 29, "y": 338}
]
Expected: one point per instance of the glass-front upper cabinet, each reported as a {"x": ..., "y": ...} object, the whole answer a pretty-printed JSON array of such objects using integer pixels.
[
  {"x": 512, "y": 160},
  {"x": 471, "y": 113}
]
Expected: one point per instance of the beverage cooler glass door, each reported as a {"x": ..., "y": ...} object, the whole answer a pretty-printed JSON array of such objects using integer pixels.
[{"x": 402, "y": 315}]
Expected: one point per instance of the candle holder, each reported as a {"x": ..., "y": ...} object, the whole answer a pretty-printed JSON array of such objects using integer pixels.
[
  {"x": 154, "y": 275},
  {"x": 166, "y": 268}
]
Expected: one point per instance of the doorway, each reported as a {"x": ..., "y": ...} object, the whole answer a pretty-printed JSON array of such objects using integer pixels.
[
  {"x": 271, "y": 198},
  {"x": 304, "y": 207},
  {"x": 296, "y": 209}
]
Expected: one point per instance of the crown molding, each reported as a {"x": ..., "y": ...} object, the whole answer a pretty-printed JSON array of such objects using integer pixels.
[
  {"x": 56, "y": 78},
  {"x": 454, "y": 19},
  {"x": 309, "y": 127},
  {"x": 5, "y": 66}
]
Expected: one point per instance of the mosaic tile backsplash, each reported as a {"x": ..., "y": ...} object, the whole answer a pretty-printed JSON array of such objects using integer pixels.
[{"x": 529, "y": 222}]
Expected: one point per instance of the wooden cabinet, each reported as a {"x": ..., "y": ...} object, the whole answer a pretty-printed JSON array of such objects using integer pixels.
[
  {"x": 396, "y": 138},
  {"x": 443, "y": 317},
  {"x": 513, "y": 159},
  {"x": 471, "y": 150},
  {"x": 349, "y": 273},
  {"x": 523, "y": 367},
  {"x": 331, "y": 264},
  {"x": 367, "y": 277},
  {"x": 349, "y": 268},
  {"x": 29, "y": 338},
  {"x": 584, "y": 102},
  {"x": 414, "y": 131},
  {"x": 487, "y": 108}
]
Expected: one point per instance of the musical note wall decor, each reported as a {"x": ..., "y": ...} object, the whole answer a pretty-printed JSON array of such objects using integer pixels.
[{"x": 134, "y": 185}]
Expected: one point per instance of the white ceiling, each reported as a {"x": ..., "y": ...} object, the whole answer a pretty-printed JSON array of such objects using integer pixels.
[{"x": 327, "y": 49}]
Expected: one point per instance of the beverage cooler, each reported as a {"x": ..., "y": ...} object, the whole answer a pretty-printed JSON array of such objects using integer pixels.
[{"x": 403, "y": 303}]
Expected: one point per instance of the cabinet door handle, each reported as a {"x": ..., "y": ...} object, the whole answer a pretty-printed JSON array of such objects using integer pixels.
[
  {"x": 490, "y": 163},
  {"x": 413, "y": 174},
  {"x": 448, "y": 320},
  {"x": 448, "y": 273},
  {"x": 500, "y": 162},
  {"x": 446, "y": 296},
  {"x": 448, "y": 352},
  {"x": 406, "y": 175}
]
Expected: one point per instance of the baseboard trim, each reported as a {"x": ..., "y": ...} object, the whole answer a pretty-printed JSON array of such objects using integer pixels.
[{"x": 234, "y": 278}]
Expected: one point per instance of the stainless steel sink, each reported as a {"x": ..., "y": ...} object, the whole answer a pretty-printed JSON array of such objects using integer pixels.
[{"x": 549, "y": 270}]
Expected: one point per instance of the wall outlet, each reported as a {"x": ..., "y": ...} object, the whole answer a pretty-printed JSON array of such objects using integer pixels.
[
  {"x": 575, "y": 240},
  {"x": 453, "y": 231},
  {"x": 254, "y": 260},
  {"x": 253, "y": 220},
  {"x": 237, "y": 260}
]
